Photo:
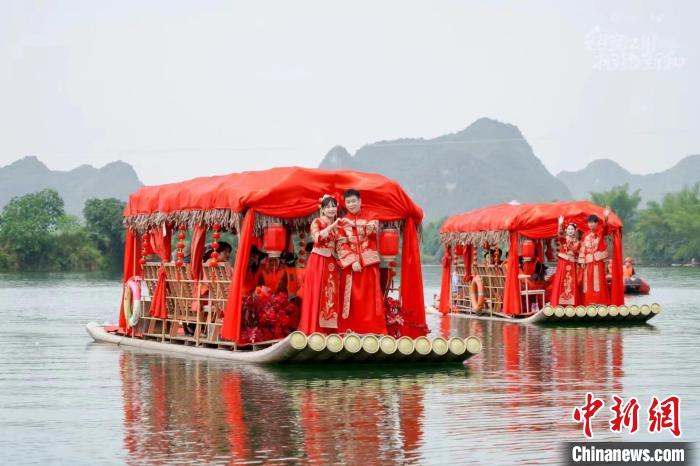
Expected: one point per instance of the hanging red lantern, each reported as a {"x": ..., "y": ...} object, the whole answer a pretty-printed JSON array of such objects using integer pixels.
[
  {"x": 389, "y": 243},
  {"x": 180, "y": 246},
  {"x": 274, "y": 239},
  {"x": 215, "y": 245},
  {"x": 527, "y": 250}
]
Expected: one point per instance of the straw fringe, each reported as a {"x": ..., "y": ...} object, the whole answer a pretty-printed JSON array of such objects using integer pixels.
[
  {"x": 477, "y": 238},
  {"x": 229, "y": 221}
]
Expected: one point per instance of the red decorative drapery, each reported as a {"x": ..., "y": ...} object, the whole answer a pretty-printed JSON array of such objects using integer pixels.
[
  {"x": 160, "y": 241},
  {"x": 132, "y": 247},
  {"x": 445, "y": 285},
  {"x": 231, "y": 329},
  {"x": 617, "y": 296},
  {"x": 412, "y": 299},
  {"x": 511, "y": 293},
  {"x": 467, "y": 258},
  {"x": 199, "y": 236}
]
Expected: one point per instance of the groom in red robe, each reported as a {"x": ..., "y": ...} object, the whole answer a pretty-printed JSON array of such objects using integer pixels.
[
  {"x": 362, "y": 306},
  {"x": 592, "y": 256}
]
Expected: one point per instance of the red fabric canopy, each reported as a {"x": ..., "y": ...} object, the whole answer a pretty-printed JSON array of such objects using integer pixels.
[
  {"x": 284, "y": 192},
  {"x": 535, "y": 221}
]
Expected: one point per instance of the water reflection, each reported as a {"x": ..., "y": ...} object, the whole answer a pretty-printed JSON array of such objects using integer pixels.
[{"x": 198, "y": 411}]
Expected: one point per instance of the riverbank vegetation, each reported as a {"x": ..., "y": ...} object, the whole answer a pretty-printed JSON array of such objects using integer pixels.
[
  {"x": 36, "y": 234},
  {"x": 663, "y": 233}
]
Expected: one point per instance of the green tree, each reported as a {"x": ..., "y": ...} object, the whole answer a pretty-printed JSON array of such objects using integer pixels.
[
  {"x": 72, "y": 248},
  {"x": 103, "y": 218},
  {"x": 670, "y": 231},
  {"x": 431, "y": 248},
  {"x": 25, "y": 226},
  {"x": 623, "y": 203}
]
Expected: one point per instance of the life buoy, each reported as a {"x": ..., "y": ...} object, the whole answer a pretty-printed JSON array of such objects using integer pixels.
[
  {"x": 476, "y": 293},
  {"x": 132, "y": 301}
]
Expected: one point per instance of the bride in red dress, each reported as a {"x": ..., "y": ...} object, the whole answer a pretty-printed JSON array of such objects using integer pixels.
[
  {"x": 321, "y": 300},
  {"x": 565, "y": 288}
]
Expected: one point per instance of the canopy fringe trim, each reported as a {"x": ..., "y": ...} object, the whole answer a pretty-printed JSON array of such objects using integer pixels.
[{"x": 476, "y": 238}]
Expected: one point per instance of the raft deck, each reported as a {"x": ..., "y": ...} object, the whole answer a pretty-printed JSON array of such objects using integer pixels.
[
  {"x": 301, "y": 348},
  {"x": 570, "y": 314}
]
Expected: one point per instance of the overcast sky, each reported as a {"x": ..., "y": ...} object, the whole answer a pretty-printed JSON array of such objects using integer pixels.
[{"x": 181, "y": 89}]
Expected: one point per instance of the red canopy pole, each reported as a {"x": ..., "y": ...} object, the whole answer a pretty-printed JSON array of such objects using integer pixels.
[
  {"x": 412, "y": 283},
  {"x": 445, "y": 292},
  {"x": 511, "y": 293},
  {"x": 231, "y": 329},
  {"x": 131, "y": 267},
  {"x": 199, "y": 235},
  {"x": 618, "y": 286}
]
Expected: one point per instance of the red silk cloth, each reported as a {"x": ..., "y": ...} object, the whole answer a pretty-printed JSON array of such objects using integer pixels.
[
  {"x": 321, "y": 291},
  {"x": 132, "y": 248},
  {"x": 366, "y": 302},
  {"x": 199, "y": 235},
  {"x": 231, "y": 328},
  {"x": 537, "y": 221},
  {"x": 446, "y": 283},
  {"x": 412, "y": 299},
  {"x": 158, "y": 308},
  {"x": 285, "y": 192},
  {"x": 160, "y": 242}
]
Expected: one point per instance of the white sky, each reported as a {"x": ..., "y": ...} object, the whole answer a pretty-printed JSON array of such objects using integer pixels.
[{"x": 181, "y": 89}]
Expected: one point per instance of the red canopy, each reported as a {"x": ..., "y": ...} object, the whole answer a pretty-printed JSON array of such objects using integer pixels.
[
  {"x": 506, "y": 222},
  {"x": 246, "y": 202},
  {"x": 286, "y": 192},
  {"x": 535, "y": 221}
]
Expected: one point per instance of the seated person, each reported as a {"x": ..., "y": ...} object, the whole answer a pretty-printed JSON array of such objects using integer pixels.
[
  {"x": 224, "y": 252},
  {"x": 627, "y": 268},
  {"x": 253, "y": 277},
  {"x": 273, "y": 274}
]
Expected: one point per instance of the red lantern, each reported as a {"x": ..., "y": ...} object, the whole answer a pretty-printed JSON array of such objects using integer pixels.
[
  {"x": 182, "y": 228},
  {"x": 142, "y": 261},
  {"x": 527, "y": 250},
  {"x": 389, "y": 243},
  {"x": 274, "y": 240},
  {"x": 216, "y": 235}
]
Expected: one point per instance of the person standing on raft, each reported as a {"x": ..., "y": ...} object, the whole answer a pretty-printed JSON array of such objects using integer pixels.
[
  {"x": 565, "y": 287},
  {"x": 594, "y": 252},
  {"x": 320, "y": 305},
  {"x": 362, "y": 309}
]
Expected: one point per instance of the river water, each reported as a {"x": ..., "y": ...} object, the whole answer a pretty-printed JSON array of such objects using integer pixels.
[{"x": 66, "y": 400}]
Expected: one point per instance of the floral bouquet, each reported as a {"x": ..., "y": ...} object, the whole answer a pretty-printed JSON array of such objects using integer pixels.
[{"x": 268, "y": 316}]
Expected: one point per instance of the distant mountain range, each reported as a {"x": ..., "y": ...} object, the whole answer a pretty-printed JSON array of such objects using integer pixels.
[
  {"x": 488, "y": 162},
  {"x": 29, "y": 175},
  {"x": 603, "y": 174}
]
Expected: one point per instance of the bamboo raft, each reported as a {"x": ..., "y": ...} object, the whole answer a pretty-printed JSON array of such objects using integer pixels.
[
  {"x": 301, "y": 348},
  {"x": 570, "y": 314}
]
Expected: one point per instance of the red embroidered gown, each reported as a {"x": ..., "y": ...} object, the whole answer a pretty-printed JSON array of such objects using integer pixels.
[
  {"x": 362, "y": 308},
  {"x": 593, "y": 253},
  {"x": 320, "y": 304},
  {"x": 564, "y": 287}
]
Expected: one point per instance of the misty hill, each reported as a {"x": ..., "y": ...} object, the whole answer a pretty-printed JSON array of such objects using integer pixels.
[
  {"x": 29, "y": 174},
  {"x": 603, "y": 174},
  {"x": 489, "y": 162}
]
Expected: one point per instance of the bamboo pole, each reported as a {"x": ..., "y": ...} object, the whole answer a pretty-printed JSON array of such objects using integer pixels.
[
  {"x": 613, "y": 311},
  {"x": 559, "y": 312},
  {"x": 580, "y": 312},
  {"x": 352, "y": 347},
  {"x": 624, "y": 311},
  {"x": 387, "y": 347},
  {"x": 423, "y": 346},
  {"x": 645, "y": 310},
  {"x": 591, "y": 311},
  {"x": 570, "y": 312},
  {"x": 634, "y": 311},
  {"x": 548, "y": 311},
  {"x": 655, "y": 308},
  {"x": 602, "y": 311},
  {"x": 456, "y": 347},
  {"x": 473, "y": 345},
  {"x": 440, "y": 348}
]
